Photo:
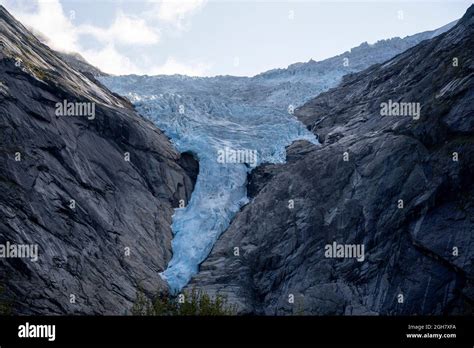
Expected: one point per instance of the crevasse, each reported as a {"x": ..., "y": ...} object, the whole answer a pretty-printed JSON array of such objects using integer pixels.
[{"x": 203, "y": 117}]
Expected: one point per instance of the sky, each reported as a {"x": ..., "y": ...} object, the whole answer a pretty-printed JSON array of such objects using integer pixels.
[{"x": 225, "y": 37}]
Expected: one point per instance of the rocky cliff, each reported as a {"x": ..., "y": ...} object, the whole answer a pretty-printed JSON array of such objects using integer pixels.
[
  {"x": 94, "y": 192},
  {"x": 393, "y": 174}
]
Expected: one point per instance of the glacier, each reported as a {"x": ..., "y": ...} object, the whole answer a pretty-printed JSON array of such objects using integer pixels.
[
  {"x": 207, "y": 115},
  {"x": 206, "y": 121}
]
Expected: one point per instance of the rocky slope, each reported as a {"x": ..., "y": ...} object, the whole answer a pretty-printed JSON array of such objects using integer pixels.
[
  {"x": 401, "y": 186},
  {"x": 115, "y": 236}
]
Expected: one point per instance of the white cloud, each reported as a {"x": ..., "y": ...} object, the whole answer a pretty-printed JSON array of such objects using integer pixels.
[
  {"x": 176, "y": 12},
  {"x": 125, "y": 30},
  {"x": 109, "y": 60},
  {"x": 63, "y": 35},
  {"x": 60, "y": 32},
  {"x": 113, "y": 62}
]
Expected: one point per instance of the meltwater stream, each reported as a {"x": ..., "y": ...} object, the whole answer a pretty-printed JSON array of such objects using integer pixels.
[{"x": 208, "y": 118}]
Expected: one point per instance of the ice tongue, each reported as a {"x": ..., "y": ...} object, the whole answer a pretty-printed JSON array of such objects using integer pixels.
[{"x": 229, "y": 138}]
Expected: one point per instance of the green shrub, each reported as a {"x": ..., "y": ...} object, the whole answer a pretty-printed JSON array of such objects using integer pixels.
[
  {"x": 195, "y": 303},
  {"x": 5, "y": 306}
]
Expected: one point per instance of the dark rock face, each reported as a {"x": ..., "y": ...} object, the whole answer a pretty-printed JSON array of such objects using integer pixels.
[
  {"x": 115, "y": 236},
  {"x": 389, "y": 183}
]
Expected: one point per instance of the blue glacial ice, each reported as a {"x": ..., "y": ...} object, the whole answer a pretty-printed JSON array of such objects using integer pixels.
[{"x": 207, "y": 117}]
